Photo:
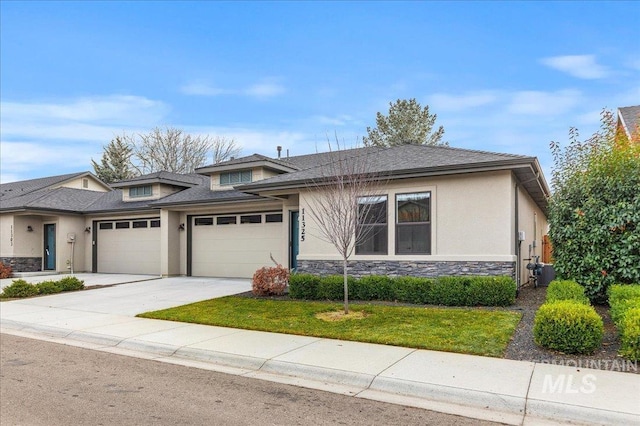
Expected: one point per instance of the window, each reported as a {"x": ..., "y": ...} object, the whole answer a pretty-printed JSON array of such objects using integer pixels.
[
  {"x": 273, "y": 217},
  {"x": 122, "y": 225},
  {"x": 106, "y": 225},
  {"x": 372, "y": 225},
  {"x": 231, "y": 178},
  {"x": 140, "y": 191},
  {"x": 226, "y": 220},
  {"x": 253, "y": 218},
  {"x": 203, "y": 221},
  {"x": 413, "y": 223},
  {"x": 140, "y": 224},
  {"x": 155, "y": 223}
]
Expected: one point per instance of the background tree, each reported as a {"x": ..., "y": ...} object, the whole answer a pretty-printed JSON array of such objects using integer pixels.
[
  {"x": 171, "y": 150},
  {"x": 224, "y": 149},
  {"x": 115, "y": 164},
  {"x": 333, "y": 202},
  {"x": 594, "y": 212},
  {"x": 407, "y": 123}
]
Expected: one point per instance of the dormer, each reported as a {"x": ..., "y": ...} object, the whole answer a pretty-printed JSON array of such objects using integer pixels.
[
  {"x": 240, "y": 171},
  {"x": 155, "y": 186}
]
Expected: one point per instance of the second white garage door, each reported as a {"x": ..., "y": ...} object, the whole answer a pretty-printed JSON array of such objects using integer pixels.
[
  {"x": 235, "y": 245},
  {"x": 129, "y": 246}
]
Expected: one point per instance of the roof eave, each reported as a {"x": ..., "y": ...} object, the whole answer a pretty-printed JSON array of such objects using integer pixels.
[{"x": 216, "y": 168}]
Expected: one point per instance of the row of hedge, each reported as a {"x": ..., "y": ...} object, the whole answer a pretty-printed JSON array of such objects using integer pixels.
[
  {"x": 448, "y": 291},
  {"x": 624, "y": 300},
  {"x": 566, "y": 322},
  {"x": 21, "y": 288}
]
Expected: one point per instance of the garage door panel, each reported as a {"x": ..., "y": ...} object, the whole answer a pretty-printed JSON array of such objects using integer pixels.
[
  {"x": 235, "y": 250},
  {"x": 129, "y": 251}
]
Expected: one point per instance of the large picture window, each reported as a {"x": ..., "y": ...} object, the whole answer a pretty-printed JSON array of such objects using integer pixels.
[
  {"x": 372, "y": 225},
  {"x": 413, "y": 223},
  {"x": 232, "y": 178}
]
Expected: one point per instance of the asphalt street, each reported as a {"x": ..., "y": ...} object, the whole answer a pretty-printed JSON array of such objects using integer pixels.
[{"x": 44, "y": 383}]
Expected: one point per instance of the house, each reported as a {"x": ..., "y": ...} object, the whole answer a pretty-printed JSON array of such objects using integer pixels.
[
  {"x": 629, "y": 121},
  {"x": 478, "y": 213}
]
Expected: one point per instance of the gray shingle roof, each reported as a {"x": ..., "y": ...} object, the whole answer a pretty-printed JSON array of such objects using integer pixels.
[
  {"x": 62, "y": 199},
  {"x": 397, "y": 160},
  {"x": 170, "y": 178},
  {"x": 23, "y": 187},
  {"x": 630, "y": 116},
  {"x": 201, "y": 194}
]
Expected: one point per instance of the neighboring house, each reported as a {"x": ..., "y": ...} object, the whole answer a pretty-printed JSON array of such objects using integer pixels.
[
  {"x": 629, "y": 121},
  {"x": 482, "y": 213}
]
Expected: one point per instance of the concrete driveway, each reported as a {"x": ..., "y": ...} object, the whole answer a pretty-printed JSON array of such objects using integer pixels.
[{"x": 136, "y": 297}]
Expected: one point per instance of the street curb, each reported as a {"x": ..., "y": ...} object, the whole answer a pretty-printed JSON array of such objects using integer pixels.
[{"x": 438, "y": 397}]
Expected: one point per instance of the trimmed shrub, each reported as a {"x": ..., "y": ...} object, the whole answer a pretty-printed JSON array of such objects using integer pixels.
[
  {"x": 372, "y": 287},
  {"x": 619, "y": 292},
  {"x": 492, "y": 291},
  {"x": 5, "y": 271},
  {"x": 619, "y": 309},
  {"x": 450, "y": 291},
  {"x": 48, "y": 287},
  {"x": 630, "y": 334},
  {"x": 413, "y": 289},
  {"x": 566, "y": 290},
  {"x": 332, "y": 287},
  {"x": 19, "y": 288},
  {"x": 304, "y": 286},
  {"x": 568, "y": 326},
  {"x": 269, "y": 281},
  {"x": 70, "y": 284}
]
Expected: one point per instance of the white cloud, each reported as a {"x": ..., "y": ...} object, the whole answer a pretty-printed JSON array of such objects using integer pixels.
[
  {"x": 340, "y": 120},
  {"x": 264, "y": 89},
  {"x": 580, "y": 66},
  {"x": 543, "y": 103},
  {"x": 449, "y": 102}
]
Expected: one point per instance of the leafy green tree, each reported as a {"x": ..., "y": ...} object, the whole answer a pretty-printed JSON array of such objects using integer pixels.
[
  {"x": 407, "y": 124},
  {"x": 115, "y": 164},
  {"x": 594, "y": 212}
]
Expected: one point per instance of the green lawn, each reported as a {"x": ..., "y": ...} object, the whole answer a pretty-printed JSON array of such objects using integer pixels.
[{"x": 463, "y": 330}]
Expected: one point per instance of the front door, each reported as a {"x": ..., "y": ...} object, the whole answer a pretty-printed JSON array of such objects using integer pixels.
[
  {"x": 49, "y": 247},
  {"x": 294, "y": 242}
]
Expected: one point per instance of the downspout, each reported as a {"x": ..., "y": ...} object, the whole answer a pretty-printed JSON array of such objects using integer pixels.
[{"x": 518, "y": 242}]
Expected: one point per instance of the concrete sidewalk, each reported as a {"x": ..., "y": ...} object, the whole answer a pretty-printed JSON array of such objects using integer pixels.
[{"x": 507, "y": 391}]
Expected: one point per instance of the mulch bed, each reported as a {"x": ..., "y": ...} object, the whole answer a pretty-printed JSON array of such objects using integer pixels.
[{"x": 522, "y": 346}]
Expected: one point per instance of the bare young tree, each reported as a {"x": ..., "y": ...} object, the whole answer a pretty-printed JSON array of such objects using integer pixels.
[
  {"x": 224, "y": 148},
  {"x": 170, "y": 149},
  {"x": 342, "y": 199}
]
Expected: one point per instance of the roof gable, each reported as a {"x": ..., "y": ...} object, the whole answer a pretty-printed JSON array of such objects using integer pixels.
[{"x": 629, "y": 118}]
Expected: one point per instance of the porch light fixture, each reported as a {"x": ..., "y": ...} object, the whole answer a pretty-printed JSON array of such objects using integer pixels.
[
  {"x": 181, "y": 227},
  {"x": 29, "y": 228},
  {"x": 87, "y": 229}
]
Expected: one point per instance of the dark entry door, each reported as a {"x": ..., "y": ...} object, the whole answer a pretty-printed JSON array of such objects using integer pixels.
[
  {"x": 49, "y": 246},
  {"x": 294, "y": 242}
]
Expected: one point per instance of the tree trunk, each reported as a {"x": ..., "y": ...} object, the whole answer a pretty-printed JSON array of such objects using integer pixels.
[{"x": 346, "y": 286}]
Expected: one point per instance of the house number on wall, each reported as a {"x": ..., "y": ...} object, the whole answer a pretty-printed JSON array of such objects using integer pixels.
[{"x": 302, "y": 226}]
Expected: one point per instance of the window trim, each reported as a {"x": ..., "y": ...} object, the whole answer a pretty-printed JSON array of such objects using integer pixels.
[{"x": 427, "y": 224}]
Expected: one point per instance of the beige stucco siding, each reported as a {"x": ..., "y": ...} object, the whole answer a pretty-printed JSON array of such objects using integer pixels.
[
  {"x": 79, "y": 183},
  {"x": 535, "y": 225},
  {"x": 470, "y": 219},
  {"x": 7, "y": 235}
]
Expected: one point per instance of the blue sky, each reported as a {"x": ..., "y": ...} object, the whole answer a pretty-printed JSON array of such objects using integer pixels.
[{"x": 501, "y": 76}]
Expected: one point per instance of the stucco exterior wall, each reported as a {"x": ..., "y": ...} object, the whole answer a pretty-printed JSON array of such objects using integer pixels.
[
  {"x": 535, "y": 225},
  {"x": 6, "y": 235},
  {"x": 471, "y": 218},
  {"x": 92, "y": 184},
  {"x": 257, "y": 173}
]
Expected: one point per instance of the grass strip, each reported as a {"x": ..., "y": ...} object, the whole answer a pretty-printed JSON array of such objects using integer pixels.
[{"x": 462, "y": 330}]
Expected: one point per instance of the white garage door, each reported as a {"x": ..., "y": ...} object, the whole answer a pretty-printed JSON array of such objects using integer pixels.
[
  {"x": 235, "y": 245},
  {"x": 129, "y": 246}
]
